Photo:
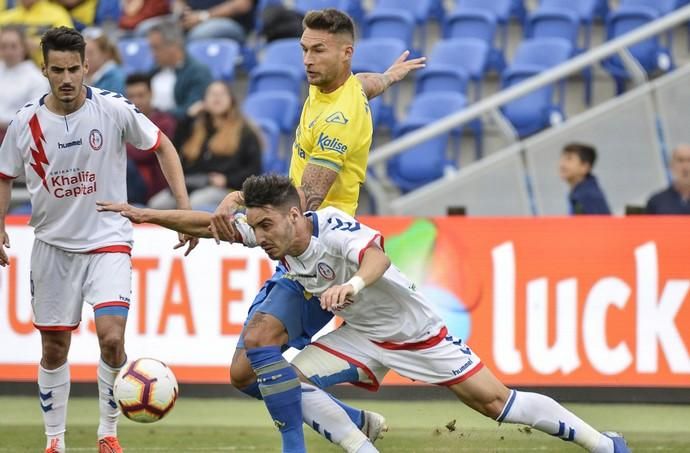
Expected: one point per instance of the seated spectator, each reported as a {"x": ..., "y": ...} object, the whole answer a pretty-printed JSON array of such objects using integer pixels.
[
  {"x": 146, "y": 164},
  {"x": 179, "y": 80},
  {"x": 136, "y": 13},
  {"x": 576, "y": 164},
  {"x": 82, "y": 12},
  {"x": 37, "y": 17},
  {"x": 204, "y": 19},
  {"x": 675, "y": 199},
  {"x": 219, "y": 149},
  {"x": 20, "y": 79},
  {"x": 103, "y": 57}
]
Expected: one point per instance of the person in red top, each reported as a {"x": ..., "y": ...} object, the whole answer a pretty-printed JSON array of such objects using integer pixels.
[{"x": 138, "y": 87}]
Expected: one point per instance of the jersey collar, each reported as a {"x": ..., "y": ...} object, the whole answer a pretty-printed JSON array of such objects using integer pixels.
[{"x": 315, "y": 222}]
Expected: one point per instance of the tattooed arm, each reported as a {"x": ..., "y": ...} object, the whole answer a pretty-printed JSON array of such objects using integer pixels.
[
  {"x": 316, "y": 182},
  {"x": 374, "y": 84}
]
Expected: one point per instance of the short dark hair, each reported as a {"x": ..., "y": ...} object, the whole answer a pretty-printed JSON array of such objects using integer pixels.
[
  {"x": 138, "y": 77},
  {"x": 331, "y": 20},
  {"x": 270, "y": 190},
  {"x": 586, "y": 153},
  {"x": 62, "y": 39}
]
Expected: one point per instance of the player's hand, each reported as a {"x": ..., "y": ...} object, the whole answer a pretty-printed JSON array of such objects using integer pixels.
[
  {"x": 191, "y": 241},
  {"x": 4, "y": 242},
  {"x": 222, "y": 227},
  {"x": 337, "y": 297},
  {"x": 135, "y": 215},
  {"x": 402, "y": 66}
]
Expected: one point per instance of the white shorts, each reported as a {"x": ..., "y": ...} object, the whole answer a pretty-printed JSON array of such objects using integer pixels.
[
  {"x": 61, "y": 281},
  {"x": 442, "y": 360}
]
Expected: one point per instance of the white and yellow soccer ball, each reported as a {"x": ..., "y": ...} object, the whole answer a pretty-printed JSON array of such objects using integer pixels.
[{"x": 145, "y": 390}]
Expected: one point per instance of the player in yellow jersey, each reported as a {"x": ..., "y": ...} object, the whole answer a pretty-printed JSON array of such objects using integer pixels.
[{"x": 329, "y": 160}]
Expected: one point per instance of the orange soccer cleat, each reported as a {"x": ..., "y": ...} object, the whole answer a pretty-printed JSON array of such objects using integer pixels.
[{"x": 109, "y": 444}]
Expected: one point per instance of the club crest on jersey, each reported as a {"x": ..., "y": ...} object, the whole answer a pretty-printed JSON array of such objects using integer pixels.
[
  {"x": 95, "y": 139},
  {"x": 326, "y": 271}
]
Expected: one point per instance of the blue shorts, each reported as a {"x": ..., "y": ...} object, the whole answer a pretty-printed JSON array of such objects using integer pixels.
[{"x": 285, "y": 299}]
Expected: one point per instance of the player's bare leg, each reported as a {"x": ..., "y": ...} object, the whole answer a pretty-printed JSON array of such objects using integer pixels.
[
  {"x": 484, "y": 393},
  {"x": 54, "y": 386},
  {"x": 110, "y": 330}
]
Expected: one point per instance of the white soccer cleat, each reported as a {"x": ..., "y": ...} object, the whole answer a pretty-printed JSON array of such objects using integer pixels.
[
  {"x": 619, "y": 443},
  {"x": 374, "y": 425}
]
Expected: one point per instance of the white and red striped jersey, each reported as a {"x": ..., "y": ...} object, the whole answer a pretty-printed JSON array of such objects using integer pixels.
[
  {"x": 389, "y": 311},
  {"x": 72, "y": 161}
]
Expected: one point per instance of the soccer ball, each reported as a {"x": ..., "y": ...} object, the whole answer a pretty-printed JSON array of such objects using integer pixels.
[{"x": 145, "y": 390}]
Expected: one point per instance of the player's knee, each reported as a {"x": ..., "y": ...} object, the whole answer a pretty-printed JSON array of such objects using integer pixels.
[
  {"x": 54, "y": 353},
  {"x": 112, "y": 347},
  {"x": 241, "y": 376},
  {"x": 270, "y": 335}
]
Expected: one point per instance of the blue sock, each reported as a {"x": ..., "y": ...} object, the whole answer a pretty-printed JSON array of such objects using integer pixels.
[
  {"x": 282, "y": 394},
  {"x": 356, "y": 415},
  {"x": 252, "y": 390}
]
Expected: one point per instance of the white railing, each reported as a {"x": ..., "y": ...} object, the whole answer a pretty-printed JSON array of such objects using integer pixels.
[{"x": 492, "y": 104}]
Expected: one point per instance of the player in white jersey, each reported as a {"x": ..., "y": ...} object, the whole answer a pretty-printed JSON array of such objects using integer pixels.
[
  {"x": 70, "y": 146},
  {"x": 388, "y": 324}
]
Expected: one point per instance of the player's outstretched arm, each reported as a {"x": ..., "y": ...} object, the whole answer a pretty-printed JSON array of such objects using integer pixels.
[
  {"x": 194, "y": 223},
  {"x": 316, "y": 182},
  {"x": 374, "y": 84},
  {"x": 5, "y": 196},
  {"x": 374, "y": 264},
  {"x": 169, "y": 162}
]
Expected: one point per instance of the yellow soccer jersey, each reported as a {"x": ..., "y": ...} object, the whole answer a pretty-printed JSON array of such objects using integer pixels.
[{"x": 335, "y": 132}]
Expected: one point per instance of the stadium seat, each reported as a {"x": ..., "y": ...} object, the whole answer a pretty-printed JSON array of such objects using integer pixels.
[
  {"x": 602, "y": 9},
  {"x": 475, "y": 24},
  {"x": 518, "y": 10},
  {"x": 651, "y": 55},
  {"x": 376, "y": 55},
  {"x": 429, "y": 160},
  {"x": 220, "y": 55},
  {"x": 421, "y": 9},
  {"x": 555, "y": 22},
  {"x": 451, "y": 63},
  {"x": 136, "y": 55},
  {"x": 281, "y": 107},
  {"x": 281, "y": 68},
  {"x": 661, "y": 6},
  {"x": 585, "y": 9},
  {"x": 272, "y": 161},
  {"x": 391, "y": 23},
  {"x": 536, "y": 110},
  {"x": 500, "y": 8}
]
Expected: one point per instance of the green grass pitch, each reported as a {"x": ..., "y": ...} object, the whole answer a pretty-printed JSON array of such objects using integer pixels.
[{"x": 235, "y": 425}]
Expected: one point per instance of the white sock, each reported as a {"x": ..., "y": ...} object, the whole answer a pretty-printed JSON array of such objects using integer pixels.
[
  {"x": 106, "y": 404},
  {"x": 327, "y": 418},
  {"x": 545, "y": 414},
  {"x": 53, "y": 388}
]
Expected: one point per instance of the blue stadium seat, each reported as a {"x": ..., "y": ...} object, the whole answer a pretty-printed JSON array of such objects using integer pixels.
[
  {"x": 554, "y": 22},
  {"x": 429, "y": 160},
  {"x": 475, "y": 24},
  {"x": 281, "y": 107},
  {"x": 661, "y": 6},
  {"x": 261, "y": 5},
  {"x": 500, "y": 8},
  {"x": 454, "y": 61},
  {"x": 585, "y": 9},
  {"x": 422, "y": 11},
  {"x": 518, "y": 10},
  {"x": 272, "y": 160},
  {"x": 651, "y": 55},
  {"x": 391, "y": 23},
  {"x": 536, "y": 110},
  {"x": 220, "y": 55},
  {"x": 602, "y": 9},
  {"x": 281, "y": 68},
  {"x": 136, "y": 55},
  {"x": 376, "y": 55}
]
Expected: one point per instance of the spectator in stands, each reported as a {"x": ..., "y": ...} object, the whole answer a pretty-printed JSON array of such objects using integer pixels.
[
  {"x": 676, "y": 198},
  {"x": 576, "y": 164},
  {"x": 103, "y": 57},
  {"x": 36, "y": 16},
  {"x": 179, "y": 80},
  {"x": 20, "y": 79},
  {"x": 82, "y": 12},
  {"x": 220, "y": 149},
  {"x": 146, "y": 164},
  {"x": 204, "y": 19},
  {"x": 136, "y": 14}
]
